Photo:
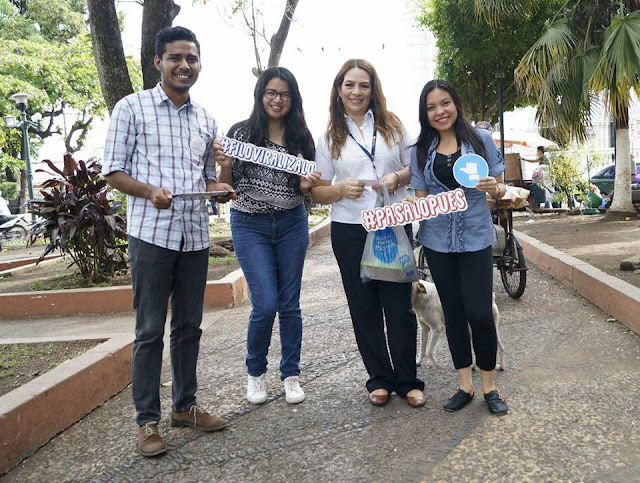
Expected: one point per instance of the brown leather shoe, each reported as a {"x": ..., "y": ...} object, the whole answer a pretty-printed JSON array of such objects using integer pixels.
[
  {"x": 416, "y": 401},
  {"x": 197, "y": 418},
  {"x": 150, "y": 443},
  {"x": 378, "y": 399}
]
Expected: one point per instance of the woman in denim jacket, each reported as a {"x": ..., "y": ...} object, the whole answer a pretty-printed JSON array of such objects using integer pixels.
[{"x": 458, "y": 245}]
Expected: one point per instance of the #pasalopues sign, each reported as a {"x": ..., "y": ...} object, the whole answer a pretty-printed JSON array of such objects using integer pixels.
[{"x": 407, "y": 212}]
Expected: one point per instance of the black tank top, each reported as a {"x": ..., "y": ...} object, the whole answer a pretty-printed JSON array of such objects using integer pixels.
[{"x": 443, "y": 169}]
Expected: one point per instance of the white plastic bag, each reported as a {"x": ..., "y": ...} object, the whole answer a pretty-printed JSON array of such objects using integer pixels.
[{"x": 388, "y": 254}]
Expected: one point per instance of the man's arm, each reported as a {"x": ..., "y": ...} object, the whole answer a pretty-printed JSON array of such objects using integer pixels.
[{"x": 160, "y": 197}]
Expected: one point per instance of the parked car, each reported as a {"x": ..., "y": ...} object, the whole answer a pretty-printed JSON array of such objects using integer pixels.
[{"x": 604, "y": 179}]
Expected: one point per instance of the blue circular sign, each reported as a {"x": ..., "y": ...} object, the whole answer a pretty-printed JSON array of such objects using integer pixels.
[{"x": 469, "y": 168}]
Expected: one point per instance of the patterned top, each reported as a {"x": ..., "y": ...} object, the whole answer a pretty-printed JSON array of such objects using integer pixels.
[
  {"x": 156, "y": 143},
  {"x": 261, "y": 189}
]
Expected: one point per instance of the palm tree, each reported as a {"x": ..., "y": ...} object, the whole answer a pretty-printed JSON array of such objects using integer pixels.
[{"x": 589, "y": 51}]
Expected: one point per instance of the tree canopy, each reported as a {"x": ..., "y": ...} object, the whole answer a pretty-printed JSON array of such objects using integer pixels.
[
  {"x": 47, "y": 53},
  {"x": 471, "y": 51}
]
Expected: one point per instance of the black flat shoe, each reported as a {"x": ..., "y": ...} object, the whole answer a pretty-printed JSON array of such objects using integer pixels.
[
  {"x": 496, "y": 404},
  {"x": 459, "y": 400}
]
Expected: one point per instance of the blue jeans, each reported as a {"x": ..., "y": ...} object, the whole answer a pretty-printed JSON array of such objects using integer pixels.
[
  {"x": 271, "y": 248},
  {"x": 157, "y": 274}
]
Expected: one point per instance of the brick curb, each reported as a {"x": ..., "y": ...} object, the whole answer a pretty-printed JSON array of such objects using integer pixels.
[
  {"x": 35, "y": 412},
  {"x": 614, "y": 296},
  {"x": 227, "y": 292},
  {"x": 21, "y": 262}
]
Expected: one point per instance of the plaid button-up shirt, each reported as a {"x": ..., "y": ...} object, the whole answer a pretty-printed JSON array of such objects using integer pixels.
[{"x": 156, "y": 143}]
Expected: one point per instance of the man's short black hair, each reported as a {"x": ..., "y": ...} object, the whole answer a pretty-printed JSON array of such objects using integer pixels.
[
  {"x": 541, "y": 149},
  {"x": 171, "y": 34}
]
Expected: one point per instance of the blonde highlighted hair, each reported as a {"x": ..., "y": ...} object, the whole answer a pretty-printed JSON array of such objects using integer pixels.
[{"x": 386, "y": 122}]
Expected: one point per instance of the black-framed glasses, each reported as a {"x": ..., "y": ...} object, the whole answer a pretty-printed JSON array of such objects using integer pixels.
[{"x": 271, "y": 94}]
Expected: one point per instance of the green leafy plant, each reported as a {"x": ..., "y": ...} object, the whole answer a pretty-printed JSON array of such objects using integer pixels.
[
  {"x": 81, "y": 221},
  {"x": 9, "y": 190},
  {"x": 565, "y": 176}
]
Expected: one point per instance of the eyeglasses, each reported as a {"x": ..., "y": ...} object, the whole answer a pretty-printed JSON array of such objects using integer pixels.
[{"x": 271, "y": 94}]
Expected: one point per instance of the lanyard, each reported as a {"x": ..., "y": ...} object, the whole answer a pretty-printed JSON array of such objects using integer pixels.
[{"x": 371, "y": 154}]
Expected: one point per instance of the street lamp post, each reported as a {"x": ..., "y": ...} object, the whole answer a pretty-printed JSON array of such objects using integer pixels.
[
  {"x": 21, "y": 99},
  {"x": 500, "y": 79}
]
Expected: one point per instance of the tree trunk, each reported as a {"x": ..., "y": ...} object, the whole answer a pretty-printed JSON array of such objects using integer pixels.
[
  {"x": 108, "y": 51},
  {"x": 156, "y": 15},
  {"x": 280, "y": 37},
  {"x": 621, "y": 204}
]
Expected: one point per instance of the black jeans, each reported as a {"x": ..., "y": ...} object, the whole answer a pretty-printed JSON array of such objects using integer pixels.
[
  {"x": 157, "y": 274},
  {"x": 465, "y": 285},
  {"x": 367, "y": 304}
]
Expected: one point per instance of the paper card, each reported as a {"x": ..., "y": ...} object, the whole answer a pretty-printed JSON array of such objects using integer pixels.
[
  {"x": 201, "y": 194},
  {"x": 370, "y": 182}
]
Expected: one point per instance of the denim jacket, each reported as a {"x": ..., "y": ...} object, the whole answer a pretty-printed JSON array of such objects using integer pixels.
[{"x": 464, "y": 231}]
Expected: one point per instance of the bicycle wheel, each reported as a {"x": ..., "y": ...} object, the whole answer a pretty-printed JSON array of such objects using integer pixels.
[
  {"x": 15, "y": 234},
  {"x": 513, "y": 269},
  {"x": 423, "y": 268}
]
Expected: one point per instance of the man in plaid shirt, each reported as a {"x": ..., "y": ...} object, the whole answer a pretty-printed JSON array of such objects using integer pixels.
[{"x": 159, "y": 145}]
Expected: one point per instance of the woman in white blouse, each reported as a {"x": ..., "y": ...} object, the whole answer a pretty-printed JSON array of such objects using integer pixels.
[{"x": 365, "y": 142}]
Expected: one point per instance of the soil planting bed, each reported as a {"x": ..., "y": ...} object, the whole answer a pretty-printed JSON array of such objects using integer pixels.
[{"x": 20, "y": 363}]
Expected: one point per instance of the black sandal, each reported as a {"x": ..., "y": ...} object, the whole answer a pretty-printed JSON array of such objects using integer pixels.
[
  {"x": 458, "y": 400},
  {"x": 497, "y": 405}
]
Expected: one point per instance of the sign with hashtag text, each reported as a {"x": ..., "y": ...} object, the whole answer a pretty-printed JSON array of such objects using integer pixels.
[
  {"x": 407, "y": 212},
  {"x": 266, "y": 157}
]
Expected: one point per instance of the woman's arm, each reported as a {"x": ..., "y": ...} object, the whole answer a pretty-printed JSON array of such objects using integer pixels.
[
  {"x": 396, "y": 179},
  {"x": 326, "y": 193}
]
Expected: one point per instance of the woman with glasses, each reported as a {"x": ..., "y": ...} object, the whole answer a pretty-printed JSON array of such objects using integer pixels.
[
  {"x": 365, "y": 142},
  {"x": 269, "y": 227}
]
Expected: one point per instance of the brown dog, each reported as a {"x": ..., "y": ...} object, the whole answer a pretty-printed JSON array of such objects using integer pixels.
[{"x": 428, "y": 309}]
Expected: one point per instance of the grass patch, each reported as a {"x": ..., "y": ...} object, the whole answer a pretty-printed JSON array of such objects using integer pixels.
[
  {"x": 12, "y": 355},
  {"x": 223, "y": 260},
  {"x": 19, "y": 363},
  {"x": 75, "y": 280},
  {"x": 317, "y": 216},
  {"x": 220, "y": 229}
]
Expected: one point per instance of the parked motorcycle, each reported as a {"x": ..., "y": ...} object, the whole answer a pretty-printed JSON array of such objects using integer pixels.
[{"x": 15, "y": 229}]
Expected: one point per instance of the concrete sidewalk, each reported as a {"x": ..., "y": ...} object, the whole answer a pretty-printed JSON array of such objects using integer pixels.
[{"x": 570, "y": 379}]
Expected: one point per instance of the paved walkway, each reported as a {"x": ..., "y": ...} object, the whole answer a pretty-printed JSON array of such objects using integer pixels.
[{"x": 571, "y": 382}]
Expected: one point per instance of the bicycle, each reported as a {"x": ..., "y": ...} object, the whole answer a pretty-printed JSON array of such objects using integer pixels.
[{"x": 508, "y": 256}]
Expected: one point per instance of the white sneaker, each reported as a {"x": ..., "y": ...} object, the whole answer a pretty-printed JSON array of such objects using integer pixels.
[
  {"x": 256, "y": 389},
  {"x": 294, "y": 393}
]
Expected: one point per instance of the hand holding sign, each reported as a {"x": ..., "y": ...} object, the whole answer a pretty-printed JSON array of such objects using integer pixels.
[{"x": 222, "y": 159}]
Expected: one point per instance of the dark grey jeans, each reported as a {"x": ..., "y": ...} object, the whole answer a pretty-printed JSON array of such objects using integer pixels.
[{"x": 157, "y": 274}]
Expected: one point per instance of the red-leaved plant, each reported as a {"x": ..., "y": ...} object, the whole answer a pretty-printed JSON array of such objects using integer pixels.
[{"x": 78, "y": 219}]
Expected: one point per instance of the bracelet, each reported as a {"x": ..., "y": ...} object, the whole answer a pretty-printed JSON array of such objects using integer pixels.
[
  {"x": 497, "y": 197},
  {"x": 399, "y": 179}
]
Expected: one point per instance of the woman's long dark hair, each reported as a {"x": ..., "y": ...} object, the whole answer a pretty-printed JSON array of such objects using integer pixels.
[
  {"x": 296, "y": 133},
  {"x": 465, "y": 132}
]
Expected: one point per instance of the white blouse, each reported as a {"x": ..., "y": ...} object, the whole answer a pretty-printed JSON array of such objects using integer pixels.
[{"x": 354, "y": 163}]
